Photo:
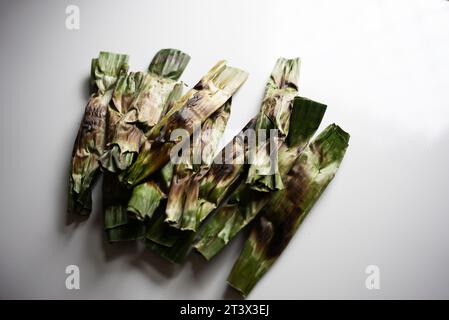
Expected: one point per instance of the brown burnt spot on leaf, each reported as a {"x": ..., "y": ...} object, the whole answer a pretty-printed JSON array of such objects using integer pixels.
[
  {"x": 177, "y": 120},
  {"x": 289, "y": 212},
  {"x": 292, "y": 85},
  {"x": 214, "y": 116},
  {"x": 221, "y": 171},
  {"x": 296, "y": 185},
  {"x": 92, "y": 127},
  {"x": 283, "y": 234},
  {"x": 284, "y": 83},
  {"x": 193, "y": 101},
  {"x": 263, "y": 233},
  {"x": 250, "y": 195},
  {"x": 201, "y": 85},
  {"x": 94, "y": 116},
  {"x": 251, "y": 124},
  {"x": 158, "y": 142}
]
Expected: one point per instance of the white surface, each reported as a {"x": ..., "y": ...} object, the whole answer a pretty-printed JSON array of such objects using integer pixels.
[{"x": 382, "y": 68}]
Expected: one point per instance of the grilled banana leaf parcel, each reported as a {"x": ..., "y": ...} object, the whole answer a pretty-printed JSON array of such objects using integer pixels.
[
  {"x": 90, "y": 141},
  {"x": 274, "y": 115},
  {"x": 226, "y": 169},
  {"x": 190, "y": 167},
  {"x": 211, "y": 185},
  {"x": 169, "y": 243},
  {"x": 245, "y": 202},
  {"x": 213, "y": 90},
  {"x": 182, "y": 211},
  {"x": 118, "y": 225},
  {"x": 280, "y": 218},
  {"x": 273, "y": 124},
  {"x": 139, "y": 101}
]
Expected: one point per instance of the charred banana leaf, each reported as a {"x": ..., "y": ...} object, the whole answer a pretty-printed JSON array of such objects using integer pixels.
[
  {"x": 183, "y": 208},
  {"x": 273, "y": 125},
  {"x": 280, "y": 218},
  {"x": 213, "y": 90},
  {"x": 91, "y": 137},
  {"x": 226, "y": 170},
  {"x": 139, "y": 101},
  {"x": 245, "y": 203}
]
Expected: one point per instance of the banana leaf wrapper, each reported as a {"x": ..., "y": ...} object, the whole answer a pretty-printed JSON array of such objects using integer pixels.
[
  {"x": 139, "y": 101},
  {"x": 123, "y": 207},
  {"x": 128, "y": 208},
  {"x": 90, "y": 141},
  {"x": 229, "y": 167},
  {"x": 273, "y": 125},
  {"x": 118, "y": 225},
  {"x": 226, "y": 170},
  {"x": 178, "y": 251},
  {"x": 183, "y": 209},
  {"x": 245, "y": 203},
  {"x": 169, "y": 243},
  {"x": 199, "y": 103},
  {"x": 280, "y": 218},
  {"x": 149, "y": 197},
  {"x": 178, "y": 181}
]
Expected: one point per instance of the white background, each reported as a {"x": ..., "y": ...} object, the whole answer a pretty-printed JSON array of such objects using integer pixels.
[{"x": 382, "y": 67}]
